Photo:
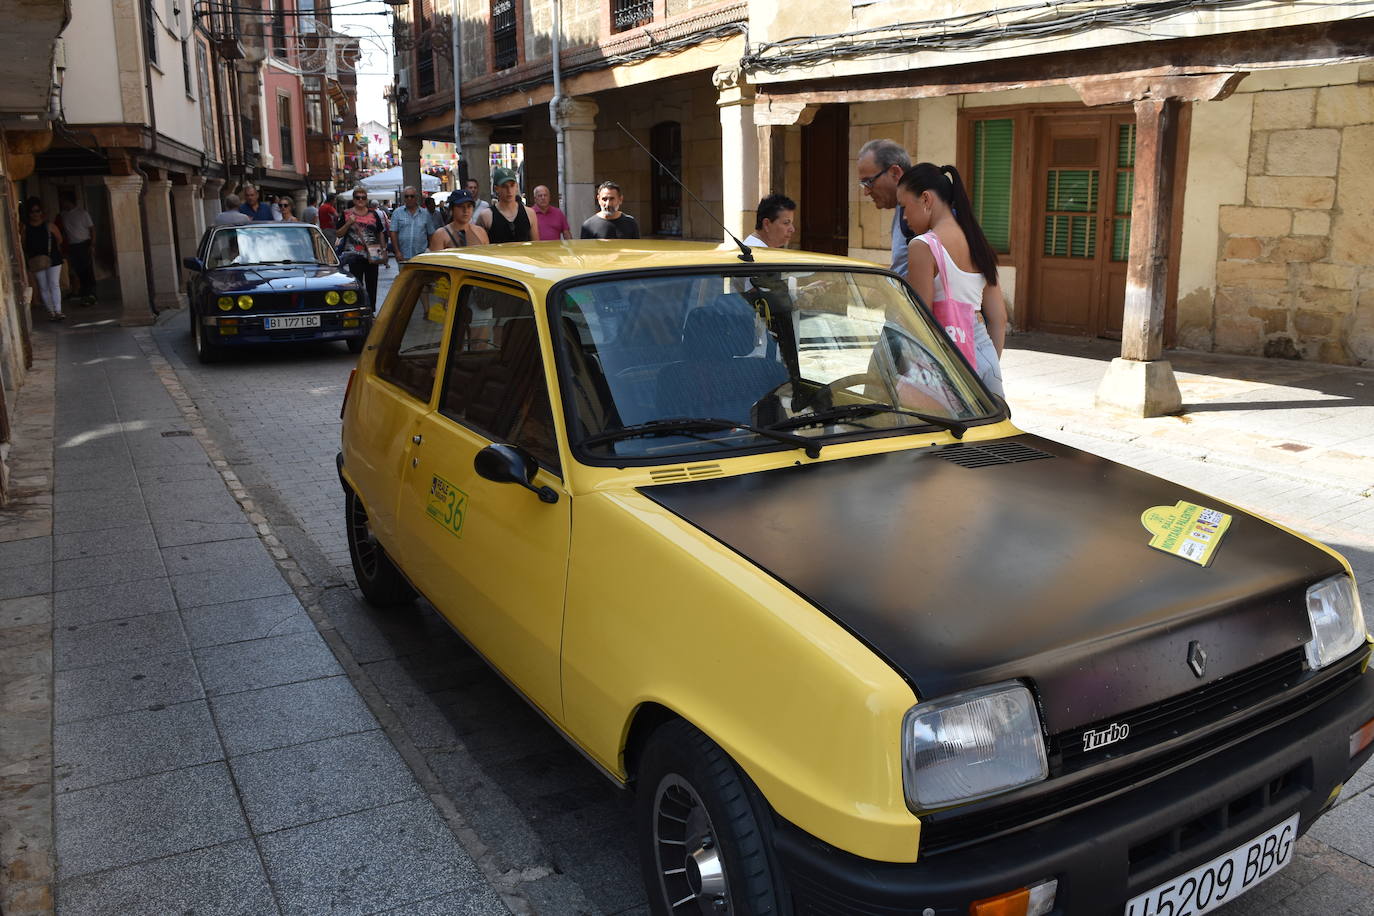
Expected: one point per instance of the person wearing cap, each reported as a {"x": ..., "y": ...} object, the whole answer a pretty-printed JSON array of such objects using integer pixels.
[
  {"x": 460, "y": 231},
  {"x": 510, "y": 220}
]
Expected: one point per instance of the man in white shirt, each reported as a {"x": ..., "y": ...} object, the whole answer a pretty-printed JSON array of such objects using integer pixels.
[
  {"x": 78, "y": 229},
  {"x": 774, "y": 222}
]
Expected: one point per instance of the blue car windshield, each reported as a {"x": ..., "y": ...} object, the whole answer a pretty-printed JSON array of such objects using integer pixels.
[
  {"x": 287, "y": 243},
  {"x": 811, "y": 353}
]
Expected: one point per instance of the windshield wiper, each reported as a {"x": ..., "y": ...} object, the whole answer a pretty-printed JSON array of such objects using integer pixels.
[
  {"x": 668, "y": 426},
  {"x": 956, "y": 428}
]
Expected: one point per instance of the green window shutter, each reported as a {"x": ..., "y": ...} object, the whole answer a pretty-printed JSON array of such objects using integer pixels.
[{"x": 992, "y": 145}]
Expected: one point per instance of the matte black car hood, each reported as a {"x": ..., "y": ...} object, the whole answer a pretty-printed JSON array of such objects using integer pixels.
[{"x": 1039, "y": 569}]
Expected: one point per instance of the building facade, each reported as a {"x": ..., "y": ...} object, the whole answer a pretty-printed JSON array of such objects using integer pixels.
[{"x": 1256, "y": 122}]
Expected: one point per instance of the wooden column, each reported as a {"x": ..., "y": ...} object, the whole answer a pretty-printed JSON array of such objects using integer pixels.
[
  {"x": 1156, "y": 152},
  {"x": 1140, "y": 382},
  {"x": 772, "y": 159}
]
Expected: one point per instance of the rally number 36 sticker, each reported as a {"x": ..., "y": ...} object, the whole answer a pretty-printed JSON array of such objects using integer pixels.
[
  {"x": 447, "y": 505},
  {"x": 1186, "y": 530}
]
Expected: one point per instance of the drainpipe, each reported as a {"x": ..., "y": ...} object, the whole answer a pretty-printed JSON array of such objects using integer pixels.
[
  {"x": 555, "y": 103},
  {"x": 457, "y": 93}
]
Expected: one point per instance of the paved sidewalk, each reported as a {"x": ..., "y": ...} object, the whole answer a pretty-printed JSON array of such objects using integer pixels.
[{"x": 209, "y": 753}]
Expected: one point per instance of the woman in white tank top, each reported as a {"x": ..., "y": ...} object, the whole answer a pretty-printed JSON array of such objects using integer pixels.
[{"x": 936, "y": 207}]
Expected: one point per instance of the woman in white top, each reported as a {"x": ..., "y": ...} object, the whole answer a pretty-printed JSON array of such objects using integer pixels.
[{"x": 951, "y": 261}]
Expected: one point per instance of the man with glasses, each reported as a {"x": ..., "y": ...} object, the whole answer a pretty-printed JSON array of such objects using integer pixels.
[
  {"x": 410, "y": 226},
  {"x": 880, "y": 166}
]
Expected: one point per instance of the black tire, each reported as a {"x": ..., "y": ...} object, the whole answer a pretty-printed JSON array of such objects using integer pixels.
[
  {"x": 702, "y": 829},
  {"x": 378, "y": 578},
  {"x": 206, "y": 352},
  {"x": 355, "y": 344}
]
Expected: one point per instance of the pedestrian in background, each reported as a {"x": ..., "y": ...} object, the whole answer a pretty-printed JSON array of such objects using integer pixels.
[
  {"x": 510, "y": 220},
  {"x": 254, "y": 208},
  {"x": 460, "y": 231},
  {"x": 880, "y": 166},
  {"x": 285, "y": 207},
  {"x": 78, "y": 229},
  {"x": 410, "y": 227},
  {"x": 232, "y": 215},
  {"x": 364, "y": 233},
  {"x": 953, "y": 267},
  {"x": 436, "y": 219},
  {"x": 553, "y": 223},
  {"x": 311, "y": 213},
  {"x": 329, "y": 220},
  {"x": 479, "y": 206},
  {"x": 43, "y": 253},
  {"x": 610, "y": 222},
  {"x": 774, "y": 222}
]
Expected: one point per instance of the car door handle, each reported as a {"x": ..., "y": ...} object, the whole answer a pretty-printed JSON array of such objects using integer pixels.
[{"x": 417, "y": 439}]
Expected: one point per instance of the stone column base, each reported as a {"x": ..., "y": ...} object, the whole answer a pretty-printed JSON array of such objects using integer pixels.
[{"x": 1141, "y": 389}]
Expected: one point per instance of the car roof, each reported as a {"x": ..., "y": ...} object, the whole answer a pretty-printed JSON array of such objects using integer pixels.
[{"x": 555, "y": 261}]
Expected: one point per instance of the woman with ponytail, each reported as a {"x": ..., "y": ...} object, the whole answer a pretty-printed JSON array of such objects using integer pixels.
[{"x": 952, "y": 266}]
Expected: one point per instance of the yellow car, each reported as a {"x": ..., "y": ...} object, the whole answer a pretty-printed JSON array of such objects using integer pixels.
[{"x": 754, "y": 538}]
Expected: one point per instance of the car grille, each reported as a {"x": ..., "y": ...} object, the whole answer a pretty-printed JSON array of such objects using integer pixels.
[
  {"x": 290, "y": 302},
  {"x": 954, "y": 829},
  {"x": 1179, "y": 715}
]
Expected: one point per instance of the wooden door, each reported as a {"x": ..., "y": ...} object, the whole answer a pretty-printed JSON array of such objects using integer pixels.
[
  {"x": 1084, "y": 167},
  {"x": 824, "y": 203}
]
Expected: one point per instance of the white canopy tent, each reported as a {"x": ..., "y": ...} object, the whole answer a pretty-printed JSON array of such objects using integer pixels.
[{"x": 387, "y": 185}]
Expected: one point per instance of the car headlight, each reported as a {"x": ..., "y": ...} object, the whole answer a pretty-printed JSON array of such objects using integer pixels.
[
  {"x": 225, "y": 303},
  {"x": 1333, "y": 607},
  {"x": 970, "y": 746},
  {"x": 350, "y": 297},
  {"x": 245, "y": 302}
]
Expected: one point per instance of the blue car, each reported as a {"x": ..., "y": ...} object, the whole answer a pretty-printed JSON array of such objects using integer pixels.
[{"x": 269, "y": 282}]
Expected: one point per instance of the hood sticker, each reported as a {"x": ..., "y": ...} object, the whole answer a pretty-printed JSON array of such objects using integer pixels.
[{"x": 1186, "y": 530}]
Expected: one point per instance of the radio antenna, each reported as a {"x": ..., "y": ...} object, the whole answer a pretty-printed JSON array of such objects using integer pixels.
[{"x": 746, "y": 254}]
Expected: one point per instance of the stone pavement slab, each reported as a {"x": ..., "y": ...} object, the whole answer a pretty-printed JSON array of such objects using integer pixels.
[{"x": 226, "y": 880}]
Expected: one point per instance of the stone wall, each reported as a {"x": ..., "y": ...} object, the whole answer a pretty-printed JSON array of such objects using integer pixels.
[
  {"x": 689, "y": 100},
  {"x": 1295, "y": 269}
]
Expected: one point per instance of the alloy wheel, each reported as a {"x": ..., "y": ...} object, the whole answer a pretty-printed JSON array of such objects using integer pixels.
[{"x": 690, "y": 862}]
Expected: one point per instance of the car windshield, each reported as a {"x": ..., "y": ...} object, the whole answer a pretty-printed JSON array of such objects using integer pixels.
[
  {"x": 790, "y": 357},
  {"x": 278, "y": 244}
]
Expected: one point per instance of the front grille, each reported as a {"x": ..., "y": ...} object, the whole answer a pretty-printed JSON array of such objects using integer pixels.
[
  {"x": 1179, "y": 715},
  {"x": 1277, "y": 794},
  {"x": 952, "y": 830},
  {"x": 987, "y": 454}
]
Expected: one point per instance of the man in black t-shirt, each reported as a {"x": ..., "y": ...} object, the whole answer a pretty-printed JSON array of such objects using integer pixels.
[{"x": 610, "y": 223}]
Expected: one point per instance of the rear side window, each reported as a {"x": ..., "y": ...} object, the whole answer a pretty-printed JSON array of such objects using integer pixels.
[
  {"x": 495, "y": 380},
  {"x": 408, "y": 356}
]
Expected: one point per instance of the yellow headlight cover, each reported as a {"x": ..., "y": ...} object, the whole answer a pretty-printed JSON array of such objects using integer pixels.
[
  {"x": 225, "y": 303},
  {"x": 350, "y": 297},
  {"x": 245, "y": 302},
  {"x": 331, "y": 298}
]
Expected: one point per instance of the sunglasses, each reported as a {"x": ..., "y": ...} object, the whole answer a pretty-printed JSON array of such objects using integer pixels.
[{"x": 408, "y": 196}]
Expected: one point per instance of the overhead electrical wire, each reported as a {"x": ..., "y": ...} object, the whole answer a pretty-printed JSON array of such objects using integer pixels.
[{"x": 968, "y": 31}]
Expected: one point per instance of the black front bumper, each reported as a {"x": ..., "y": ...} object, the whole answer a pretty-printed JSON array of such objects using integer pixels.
[
  {"x": 249, "y": 329},
  {"x": 1107, "y": 853}
]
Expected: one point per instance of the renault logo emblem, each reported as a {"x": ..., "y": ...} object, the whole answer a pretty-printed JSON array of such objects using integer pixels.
[{"x": 1197, "y": 658}]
